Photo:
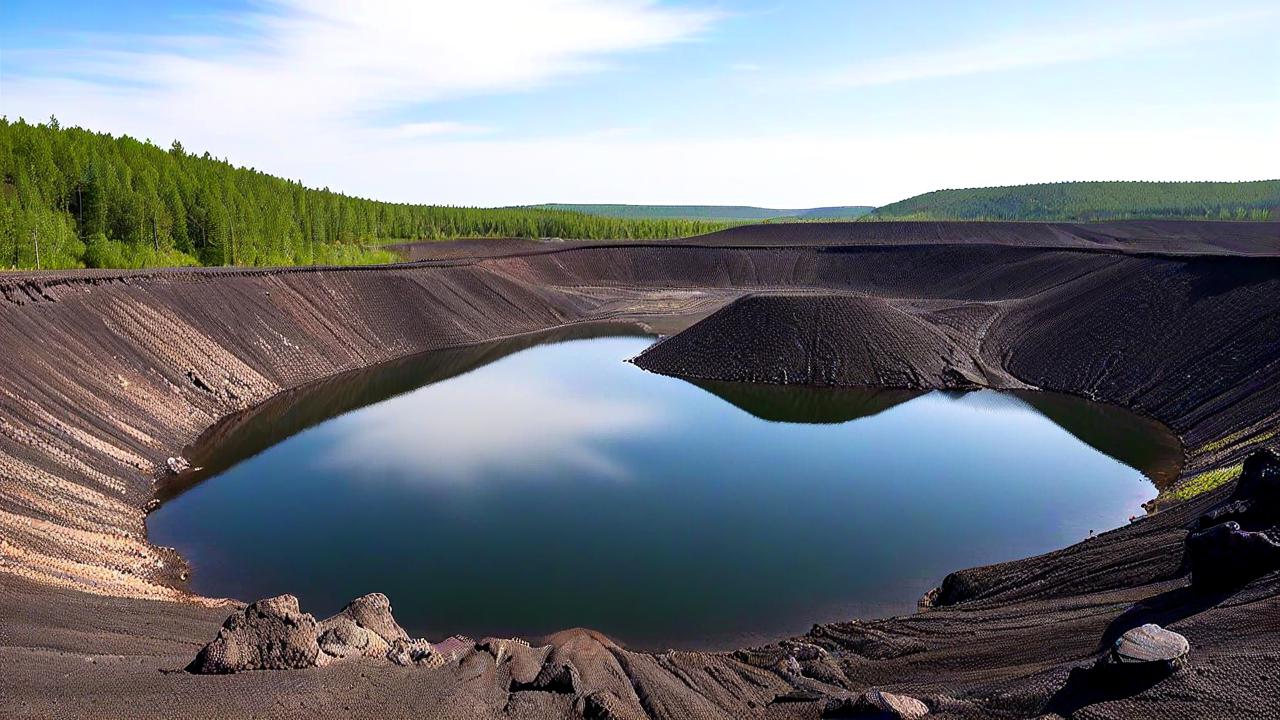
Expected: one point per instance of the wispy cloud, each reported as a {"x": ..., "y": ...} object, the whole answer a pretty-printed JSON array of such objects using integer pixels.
[
  {"x": 1040, "y": 49},
  {"x": 436, "y": 128},
  {"x": 308, "y": 67}
]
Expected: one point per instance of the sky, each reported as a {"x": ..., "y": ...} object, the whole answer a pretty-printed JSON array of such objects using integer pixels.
[{"x": 779, "y": 104}]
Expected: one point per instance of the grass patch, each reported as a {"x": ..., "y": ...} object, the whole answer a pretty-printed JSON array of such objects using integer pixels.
[
  {"x": 1231, "y": 439},
  {"x": 351, "y": 255},
  {"x": 1204, "y": 482}
]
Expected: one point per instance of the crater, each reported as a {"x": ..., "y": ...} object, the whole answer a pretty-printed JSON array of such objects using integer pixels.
[{"x": 522, "y": 486}]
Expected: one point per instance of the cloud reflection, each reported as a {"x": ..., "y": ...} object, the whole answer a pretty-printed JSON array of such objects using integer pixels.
[{"x": 472, "y": 427}]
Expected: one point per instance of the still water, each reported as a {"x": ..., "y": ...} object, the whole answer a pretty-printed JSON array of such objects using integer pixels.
[{"x": 518, "y": 489}]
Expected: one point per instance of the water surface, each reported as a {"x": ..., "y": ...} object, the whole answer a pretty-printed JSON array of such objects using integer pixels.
[{"x": 560, "y": 486}]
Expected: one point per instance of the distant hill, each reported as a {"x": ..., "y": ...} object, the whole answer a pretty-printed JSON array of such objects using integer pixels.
[
  {"x": 721, "y": 213},
  {"x": 1084, "y": 201}
]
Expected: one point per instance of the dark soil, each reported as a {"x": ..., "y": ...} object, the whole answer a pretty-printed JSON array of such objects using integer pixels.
[{"x": 105, "y": 375}]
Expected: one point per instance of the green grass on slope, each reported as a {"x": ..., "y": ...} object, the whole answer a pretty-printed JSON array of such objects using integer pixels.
[{"x": 1091, "y": 201}]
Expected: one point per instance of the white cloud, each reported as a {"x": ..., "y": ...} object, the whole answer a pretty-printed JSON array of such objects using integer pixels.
[
  {"x": 435, "y": 129},
  {"x": 341, "y": 95},
  {"x": 308, "y": 71},
  {"x": 1103, "y": 40},
  {"x": 798, "y": 170}
]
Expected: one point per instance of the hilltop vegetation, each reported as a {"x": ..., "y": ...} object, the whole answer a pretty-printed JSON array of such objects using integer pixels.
[
  {"x": 723, "y": 213},
  {"x": 73, "y": 198},
  {"x": 1087, "y": 201}
]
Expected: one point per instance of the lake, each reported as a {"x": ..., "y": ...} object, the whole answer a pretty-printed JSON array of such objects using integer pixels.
[{"x": 526, "y": 486}]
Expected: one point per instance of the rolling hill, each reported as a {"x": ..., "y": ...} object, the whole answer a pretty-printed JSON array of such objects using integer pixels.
[{"x": 1086, "y": 201}]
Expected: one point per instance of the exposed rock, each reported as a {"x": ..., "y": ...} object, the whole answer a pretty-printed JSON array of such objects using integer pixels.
[
  {"x": 1256, "y": 500},
  {"x": 373, "y": 612},
  {"x": 876, "y": 703},
  {"x": 813, "y": 661},
  {"x": 415, "y": 652},
  {"x": 1226, "y": 555},
  {"x": 365, "y": 627},
  {"x": 1148, "y": 646},
  {"x": 1260, "y": 476},
  {"x": 271, "y": 634}
]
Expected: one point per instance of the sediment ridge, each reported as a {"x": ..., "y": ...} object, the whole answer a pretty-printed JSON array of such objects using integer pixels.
[{"x": 106, "y": 376}]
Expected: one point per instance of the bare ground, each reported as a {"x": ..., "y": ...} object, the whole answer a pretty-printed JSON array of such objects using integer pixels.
[{"x": 104, "y": 375}]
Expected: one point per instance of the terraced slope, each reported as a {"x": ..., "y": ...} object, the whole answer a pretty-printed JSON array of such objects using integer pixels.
[{"x": 106, "y": 375}]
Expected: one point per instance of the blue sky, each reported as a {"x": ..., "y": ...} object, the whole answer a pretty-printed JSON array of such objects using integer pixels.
[{"x": 770, "y": 103}]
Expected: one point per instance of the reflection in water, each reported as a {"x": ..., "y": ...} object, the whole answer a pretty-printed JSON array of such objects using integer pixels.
[
  {"x": 244, "y": 435},
  {"x": 1134, "y": 440},
  {"x": 450, "y": 433},
  {"x": 504, "y": 513},
  {"x": 781, "y": 403}
]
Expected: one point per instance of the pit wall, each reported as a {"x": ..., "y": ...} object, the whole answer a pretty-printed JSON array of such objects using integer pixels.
[{"x": 105, "y": 376}]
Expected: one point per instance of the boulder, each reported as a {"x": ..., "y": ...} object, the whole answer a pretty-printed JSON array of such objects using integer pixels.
[
  {"x": 271, "y": 634},
  {"x": 1256, "y": 500},
  {"x": 1225, "y": 556},
  {"x": 1260, "y": 476},
  {"x": 876, "y": 704},
  {"x": 365, "y": 627},
  {"x": 373, "y": 612},
  {"x": 1150, "y": 643}
]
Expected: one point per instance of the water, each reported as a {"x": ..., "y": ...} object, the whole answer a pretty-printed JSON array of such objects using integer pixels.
[{"x": 559, "y": 487}]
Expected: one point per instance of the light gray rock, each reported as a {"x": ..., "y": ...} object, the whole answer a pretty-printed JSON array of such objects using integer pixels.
[
  {"x": 271, "y": 634},
  {"x": 877, "y": 703},
  {"x": 1149, "y": 645}
]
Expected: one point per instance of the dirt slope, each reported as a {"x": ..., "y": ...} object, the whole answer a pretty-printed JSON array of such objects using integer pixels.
[{"x": 105, "y": 375}]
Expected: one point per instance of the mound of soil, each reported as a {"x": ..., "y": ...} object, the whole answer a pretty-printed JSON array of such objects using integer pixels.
[{"x": 841, "y": 340}]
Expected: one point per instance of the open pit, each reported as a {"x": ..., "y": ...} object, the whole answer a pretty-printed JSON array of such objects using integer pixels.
[{"x": 107, "y": 375}]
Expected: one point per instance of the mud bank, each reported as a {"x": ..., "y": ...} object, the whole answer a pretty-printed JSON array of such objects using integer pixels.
[{"x": 106, "y": 375}]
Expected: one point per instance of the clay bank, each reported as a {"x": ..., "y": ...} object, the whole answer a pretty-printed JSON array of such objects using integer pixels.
[{"x": 108, "y": 375}]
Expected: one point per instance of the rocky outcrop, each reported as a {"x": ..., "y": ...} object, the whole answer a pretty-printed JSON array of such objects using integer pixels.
[
  {"x": 274, "y": 634},
  {"x": 1240, "y": 540},
  {"x": 270, "y": 634},
  {"x": 364, "y": 627}
]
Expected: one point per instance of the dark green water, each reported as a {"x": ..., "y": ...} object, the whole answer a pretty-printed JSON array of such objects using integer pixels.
[{"x": 559, "y": 487}]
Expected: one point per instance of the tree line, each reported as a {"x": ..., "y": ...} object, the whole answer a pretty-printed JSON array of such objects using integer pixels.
[
  {"x": 72, "y": 198},
  {"x": 1094, "y": 201}
]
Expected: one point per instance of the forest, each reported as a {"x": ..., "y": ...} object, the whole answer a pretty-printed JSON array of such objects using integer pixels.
[
  {"x": 74, "y": 198},
  {"x": 1092, "y": 201}
]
